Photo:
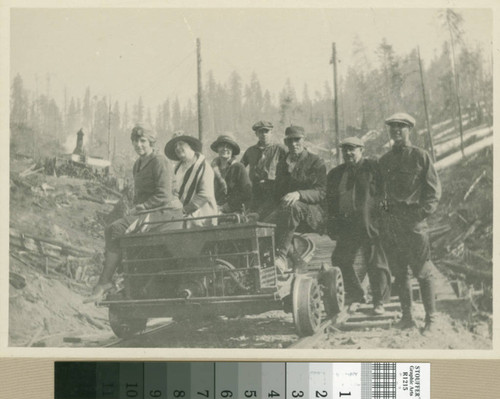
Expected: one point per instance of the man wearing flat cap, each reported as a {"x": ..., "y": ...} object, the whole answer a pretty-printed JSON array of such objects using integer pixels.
[
  {"x": 301, "y": 188},
  {"x": 263, "y": 160},
  {"x": 354, "y": 192},
  {"x": 412, "y": 191}
]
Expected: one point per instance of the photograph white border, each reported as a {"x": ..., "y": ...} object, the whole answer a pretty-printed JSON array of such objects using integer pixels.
[{"x": 223, "y": 354}]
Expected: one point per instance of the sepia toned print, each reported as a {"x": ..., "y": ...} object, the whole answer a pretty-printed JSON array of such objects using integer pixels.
[{"x": 250, "y": 179}]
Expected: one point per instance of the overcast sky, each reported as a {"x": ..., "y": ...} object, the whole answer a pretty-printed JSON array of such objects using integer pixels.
[{"x": 151, "y": 53}]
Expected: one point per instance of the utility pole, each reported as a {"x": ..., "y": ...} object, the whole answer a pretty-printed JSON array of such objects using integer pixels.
[
  {"x": 200, "y": 122},
  {"x": 427, "y": 120},
  {"x": 335, "y": 102},
  {"x": 109, "y": 129}
]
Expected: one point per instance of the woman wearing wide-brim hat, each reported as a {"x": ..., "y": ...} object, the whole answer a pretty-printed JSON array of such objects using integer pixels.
[
  {"x": 193, "y": 182},
  {"x": 233, "y": 189}
]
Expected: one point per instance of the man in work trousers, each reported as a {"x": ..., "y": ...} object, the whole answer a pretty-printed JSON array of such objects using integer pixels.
[
  {"x": 354, "y": 193},
  {"x": 301, "y": 188},
  {"x": 263, "y": 159},
  {"x": 412, "y": 191}
]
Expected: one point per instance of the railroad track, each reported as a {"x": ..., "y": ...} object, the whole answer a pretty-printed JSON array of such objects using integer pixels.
[
  {"x": 148, "y": 333},
  {"x": 358, "y": 317}
]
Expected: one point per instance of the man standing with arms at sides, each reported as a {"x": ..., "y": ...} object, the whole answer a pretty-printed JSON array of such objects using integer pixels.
[
  {"x": 413, "y": 191},
  {"x": 263, "y": 160},
  {"x": 354, "y": 193}
]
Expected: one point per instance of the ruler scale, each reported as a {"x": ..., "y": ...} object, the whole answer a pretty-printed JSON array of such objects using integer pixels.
[{"x": 241, "y": 380}]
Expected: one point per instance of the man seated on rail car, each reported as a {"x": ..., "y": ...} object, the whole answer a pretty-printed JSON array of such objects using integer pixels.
[
  {"x": 193, "y": 182},
  {"x": 263, "y": 159},
  {"x": 153, "y": 189},
  {"x": 354, "y": 192},
  {"x": 233, "y": 189},
  {"x": 301, "y": 188}
]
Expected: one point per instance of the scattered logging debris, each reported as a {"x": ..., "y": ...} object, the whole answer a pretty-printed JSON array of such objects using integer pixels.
[
  {"x": 21, "y": 239},
  {"x": 473, "y": 185},
  {"x": 461, "y": 230},
  {"x": 54, "y": 257}
]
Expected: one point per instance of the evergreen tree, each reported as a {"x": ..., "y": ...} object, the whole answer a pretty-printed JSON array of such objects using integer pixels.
[
  {"x": 87, "y": 110},
  {"x": 288, "y": 104},
  {"x": 235, "y": 99},
  {"x": 138, "y": 111},
  {"x": 19, "y": 102},
  {"x": 176, "y": 115}
]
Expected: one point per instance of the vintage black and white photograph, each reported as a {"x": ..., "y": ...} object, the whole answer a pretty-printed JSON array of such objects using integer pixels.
[{"x": 251, "y": 178}]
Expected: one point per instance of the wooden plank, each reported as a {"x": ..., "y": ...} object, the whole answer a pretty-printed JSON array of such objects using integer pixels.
[
  {"x": 362, "y": 317},
  {"x": 348, "y": 326}
]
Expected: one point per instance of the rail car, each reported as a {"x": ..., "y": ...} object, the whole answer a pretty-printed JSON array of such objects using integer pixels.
[{"x": 227, "y": 269}]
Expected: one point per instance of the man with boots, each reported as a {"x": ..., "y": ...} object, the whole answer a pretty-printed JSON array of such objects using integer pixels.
[
  {"x": 301, "y": 189},
  {"x": 412, "y": 191},
  {"x": 263, "y": 160},
  {"x": 353, "y": 194}
]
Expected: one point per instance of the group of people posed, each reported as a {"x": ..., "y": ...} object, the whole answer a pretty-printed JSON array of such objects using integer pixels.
[{"x": 373, "y": 209}]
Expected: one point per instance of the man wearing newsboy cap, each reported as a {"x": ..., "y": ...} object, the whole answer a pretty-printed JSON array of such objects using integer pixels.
[
  {"x": 301, "y": 189},
  {"x": 263, "y": 159},
  {"x": 412, "y": 191},
  {"x": 354, "y": 192}
]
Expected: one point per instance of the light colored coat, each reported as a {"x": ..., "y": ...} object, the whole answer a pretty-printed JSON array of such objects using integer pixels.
[{"x": 197, "y": 195}]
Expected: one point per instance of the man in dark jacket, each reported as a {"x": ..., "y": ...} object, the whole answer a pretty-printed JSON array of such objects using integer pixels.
[
  {"x": 354, "y": 192},
  {"x": 301, "y": 189},
  {"x": 263, "y": 159},
  {"x": 413, "y": 191}
]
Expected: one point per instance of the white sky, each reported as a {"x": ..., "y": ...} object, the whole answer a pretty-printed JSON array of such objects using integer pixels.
[{"x": 151, "y": 53}]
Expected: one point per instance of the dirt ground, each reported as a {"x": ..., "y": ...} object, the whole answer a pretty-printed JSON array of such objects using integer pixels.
[
  {"x": 48, "y": 285},
  {"x": 49, "y": 307}
]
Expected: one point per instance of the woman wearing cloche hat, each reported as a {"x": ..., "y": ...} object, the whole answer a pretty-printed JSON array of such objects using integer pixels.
[
  {"x": 193, "y": 182},
  {"x": 153, "y": 200},
  {"x": 233, "y": 189}
]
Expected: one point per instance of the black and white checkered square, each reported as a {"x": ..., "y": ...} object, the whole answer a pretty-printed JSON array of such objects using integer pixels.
[{"x": 383, "y": 380}]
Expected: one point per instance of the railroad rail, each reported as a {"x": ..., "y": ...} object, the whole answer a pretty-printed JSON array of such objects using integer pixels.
[{"x": 151, "y": 332}]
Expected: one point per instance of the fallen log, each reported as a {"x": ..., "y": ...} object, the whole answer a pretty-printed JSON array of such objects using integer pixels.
[
  {"x": 465, "y": 269},
  {"x": 111, "y": 191},
  {"x": 71, "y": 250},
  {"x": 33, "y": 172},
  {"x": 439, "y": 228},
  {"x": 473, "y": 185},
  {"x": 111, "y": 202},
  {"x": 92, "y": 199},
  {"x": 23, "y": 173}
]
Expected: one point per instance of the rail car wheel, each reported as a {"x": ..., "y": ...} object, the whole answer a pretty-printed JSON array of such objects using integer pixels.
[
  {"x": 307, "y": 305},
  {"x": 122, "y": 326},
  {"x": 332, "y": 285}
]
